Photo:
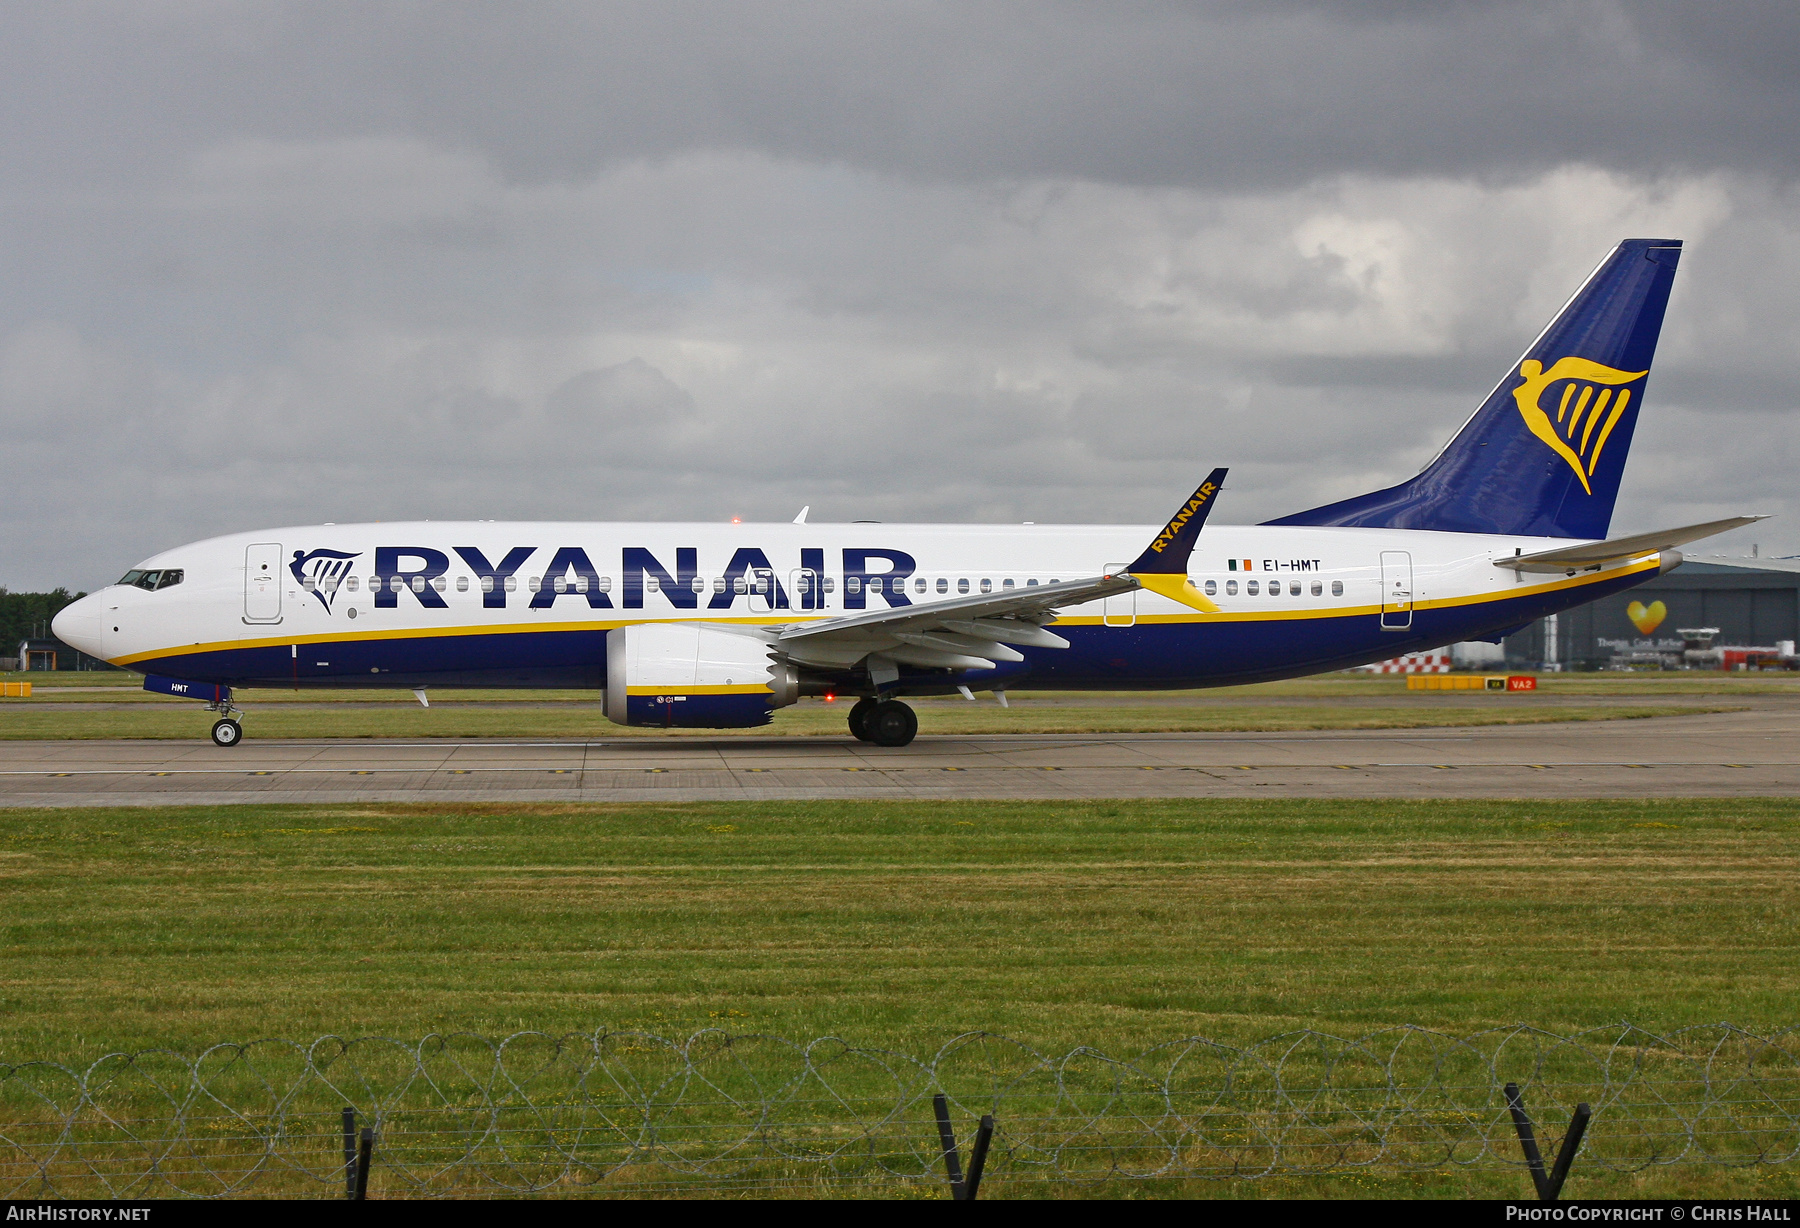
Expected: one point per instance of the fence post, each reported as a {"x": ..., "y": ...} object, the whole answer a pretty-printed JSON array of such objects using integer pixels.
[
  {"x": 364, "y": 1154},
  {"x": 1549, "y": 1186},
  {"x": 947, "y": 1137},
  {"x": 349, "y": 1153},
  {"x": 978, "y": 1158},
  {"x": 1578, "y": 1125}
]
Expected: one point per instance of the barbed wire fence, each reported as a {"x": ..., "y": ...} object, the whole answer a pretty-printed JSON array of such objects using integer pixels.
[{"x": 626, "y": 1112}]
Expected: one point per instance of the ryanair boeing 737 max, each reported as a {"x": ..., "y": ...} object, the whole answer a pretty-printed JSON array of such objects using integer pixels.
[{"x": 716, "y": 626}]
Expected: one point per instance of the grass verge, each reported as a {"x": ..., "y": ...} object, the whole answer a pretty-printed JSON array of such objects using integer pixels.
[{"x": 1111, "y": 924}]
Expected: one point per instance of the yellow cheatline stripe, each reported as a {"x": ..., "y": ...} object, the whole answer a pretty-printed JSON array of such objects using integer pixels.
[
  {"x": 697, "y": 690},
  {"x": 1647, "y": 563}
]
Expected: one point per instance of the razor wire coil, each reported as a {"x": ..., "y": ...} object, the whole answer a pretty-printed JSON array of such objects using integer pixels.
[{"x": 620, "y": 1111}]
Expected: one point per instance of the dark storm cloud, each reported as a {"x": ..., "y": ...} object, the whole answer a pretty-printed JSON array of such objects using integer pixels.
[
  {"x": 272, "y": 263},
  {"x": 1236, "y": 95}
]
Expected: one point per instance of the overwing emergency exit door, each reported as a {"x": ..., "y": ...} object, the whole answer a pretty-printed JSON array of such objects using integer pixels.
[
  {"x": 262, "y": 583},
  {"x": 764, "y": 591},
  {"x": 805, "y": 590},
  {"x": 1120, "y": 609},
  {"x": 1396, "y": 590}
]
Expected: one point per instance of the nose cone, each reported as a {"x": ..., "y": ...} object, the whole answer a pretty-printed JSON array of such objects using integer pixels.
[{"x": 78, "y": 625}]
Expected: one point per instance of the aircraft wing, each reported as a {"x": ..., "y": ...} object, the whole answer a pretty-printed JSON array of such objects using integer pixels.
[
  {"x": 970, "y": 632},
  {"x": 977, "y": 631},
  {"x": 1595, "y": 554}
]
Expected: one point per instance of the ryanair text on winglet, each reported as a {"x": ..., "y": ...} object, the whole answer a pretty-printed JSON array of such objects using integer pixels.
[{"x": 1198, "y": 501}]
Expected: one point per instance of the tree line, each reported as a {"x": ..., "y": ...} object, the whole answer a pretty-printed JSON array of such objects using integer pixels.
[{"x": 23, "y": 615}]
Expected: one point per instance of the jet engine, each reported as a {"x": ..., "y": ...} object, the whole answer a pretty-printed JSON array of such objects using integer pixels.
[{"x": 683, "y": 675}]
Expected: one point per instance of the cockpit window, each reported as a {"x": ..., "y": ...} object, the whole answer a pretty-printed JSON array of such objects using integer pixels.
[{"x": 151, "y": 580}]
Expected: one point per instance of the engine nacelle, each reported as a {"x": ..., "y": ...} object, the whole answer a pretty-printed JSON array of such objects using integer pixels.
[{"x": 682, "y": 675}]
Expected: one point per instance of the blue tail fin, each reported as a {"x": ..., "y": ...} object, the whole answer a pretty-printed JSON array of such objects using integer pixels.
[{"x": 1544, "y": 454}]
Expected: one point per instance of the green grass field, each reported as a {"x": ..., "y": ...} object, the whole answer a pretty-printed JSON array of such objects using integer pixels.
[{"x": 1112, "y": 924}]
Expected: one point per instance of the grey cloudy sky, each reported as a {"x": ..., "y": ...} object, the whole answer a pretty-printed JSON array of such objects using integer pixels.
[{"x": 268, "y": 263}]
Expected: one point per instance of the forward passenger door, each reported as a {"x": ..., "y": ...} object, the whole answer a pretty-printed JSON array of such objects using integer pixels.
[{"x": 262, "y": 583}]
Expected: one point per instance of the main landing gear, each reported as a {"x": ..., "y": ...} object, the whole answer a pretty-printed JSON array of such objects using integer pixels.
[{"x": 885, "y": 722}]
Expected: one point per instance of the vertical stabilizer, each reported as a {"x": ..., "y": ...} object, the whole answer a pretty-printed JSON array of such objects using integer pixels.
[{"x": 1544, "y": 454}]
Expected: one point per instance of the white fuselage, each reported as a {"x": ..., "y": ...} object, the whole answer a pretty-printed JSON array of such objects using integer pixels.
[{"x": 315, "y": 605}]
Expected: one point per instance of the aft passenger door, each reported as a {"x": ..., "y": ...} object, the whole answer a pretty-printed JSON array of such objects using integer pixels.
[
  {"x": 1396, "y": 590},
  {"x": 262, "y": 583}
]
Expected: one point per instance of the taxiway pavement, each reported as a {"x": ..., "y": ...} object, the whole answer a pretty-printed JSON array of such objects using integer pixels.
[{"x": 1753, "y": 752}]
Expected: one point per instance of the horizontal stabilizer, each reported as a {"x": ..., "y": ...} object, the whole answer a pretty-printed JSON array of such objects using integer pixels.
[{"x": 1595, "y": 554}]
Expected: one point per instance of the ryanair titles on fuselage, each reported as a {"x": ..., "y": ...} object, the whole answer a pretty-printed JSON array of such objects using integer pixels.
[{"x": 570, "y": 572}]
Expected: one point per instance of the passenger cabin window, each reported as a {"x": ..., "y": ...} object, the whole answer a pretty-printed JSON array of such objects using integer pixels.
[
  {"x": 1251, "y": 588},
  {"x": 418, "y": 584},
  {"x": 1318, "y": 590},
  {"x": 740, "y": 586},
  {"x": 962, "y": 586},
  {"x": 1031, "y": 584},
  {"x": 919, "y": 585},
  {"x": 487, "y": 584},
  {"x": 439, "y": 583},
  {"x": 652, "y": 584},
  {"x": 697, "y": 584},
  {"x": 462, "y": 584},
  {"x": 852, "y": 584},
  {"x": 1007, "y": 583},
  {"x": 535, "y": 583},
  {"x": 830, "y": 584},
  {"x": 605, "y": 584},
  {"x": 512, "y": 584},
  {"x": 1293, "y": 588},
  {"x": 1212, "y": 588},
  {"x": 1231, "y": 588},
  {"x": 1337, "y": 588},
  {"x": 350, "y": 584},
  {"x": 719, "y": 585},
  {"x": 874, "y": 585},
  {"x": 561, "y": 585},
  {"x": 943, "y": 585},
  {"x": 987, "y": 585}
]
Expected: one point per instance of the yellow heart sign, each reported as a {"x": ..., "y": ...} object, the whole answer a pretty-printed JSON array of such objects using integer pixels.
[{"x": 1647, "y": 619}]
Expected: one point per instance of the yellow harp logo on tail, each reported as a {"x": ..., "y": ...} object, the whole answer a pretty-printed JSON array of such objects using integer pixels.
[{"x": 1579, "y": 411}]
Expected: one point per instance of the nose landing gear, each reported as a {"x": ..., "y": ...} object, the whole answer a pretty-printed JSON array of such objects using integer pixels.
[{"x": 228, "y": 730}]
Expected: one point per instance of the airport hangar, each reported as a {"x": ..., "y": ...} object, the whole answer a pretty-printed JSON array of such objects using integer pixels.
[{"x": 1752, "y": 602}]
